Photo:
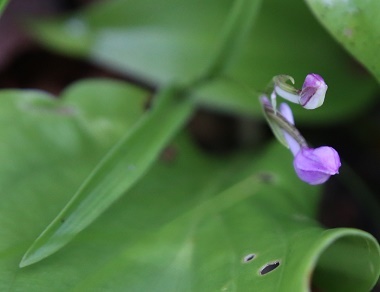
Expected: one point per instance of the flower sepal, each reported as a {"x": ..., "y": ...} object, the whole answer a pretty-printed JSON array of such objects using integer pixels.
[{"x": 284, "y": 89}]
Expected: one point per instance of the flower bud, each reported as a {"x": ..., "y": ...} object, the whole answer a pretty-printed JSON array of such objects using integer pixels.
[
  {"x": 311, "y": 96},
  {"x": 315, "y": 166},
  {"x": 313, "y": 91}
]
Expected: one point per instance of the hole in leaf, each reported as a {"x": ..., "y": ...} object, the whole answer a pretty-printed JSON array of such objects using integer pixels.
[
  {"x": 269, "y": 268},
  {"x": 249, "y": 257}
]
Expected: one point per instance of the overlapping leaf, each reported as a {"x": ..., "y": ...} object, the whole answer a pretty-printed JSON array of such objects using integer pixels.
[
  {"x": 355, "y": 25},
  {"x": 161, "y": 40},
  {"x": 186, "y": 227}
]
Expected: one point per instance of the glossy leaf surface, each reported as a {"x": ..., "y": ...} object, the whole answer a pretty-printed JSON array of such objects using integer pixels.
[
  {"x": 355, "y": 25},
  {"x": 187, "y": 226},
  {"x": 121, "y": 167}
]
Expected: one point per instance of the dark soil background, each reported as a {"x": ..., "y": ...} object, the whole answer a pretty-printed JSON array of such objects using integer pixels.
[{"x": 25, "y": 64}]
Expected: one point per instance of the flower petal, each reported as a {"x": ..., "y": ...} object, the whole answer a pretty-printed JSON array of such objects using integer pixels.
[
  {"x": 286, "y": 111},
  {"x": 313, "y": 91},
  {"x": 315, "y": 166}
]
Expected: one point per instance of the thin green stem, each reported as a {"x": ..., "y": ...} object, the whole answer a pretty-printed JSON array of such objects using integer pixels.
[
  {"x": 3, "y": 5},
  {"x": 234, "y": 33},
  {"x": 280, "y": 120}
]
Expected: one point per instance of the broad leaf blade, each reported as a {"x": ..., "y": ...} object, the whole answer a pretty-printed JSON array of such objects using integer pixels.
[
  {"x": 356, "y": 25},
  {"x": 187, "y": 226},
  {"x": 123, "y": 165}
]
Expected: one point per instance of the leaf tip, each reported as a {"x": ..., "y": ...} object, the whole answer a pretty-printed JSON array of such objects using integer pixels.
[
  {"x": 36, "y": 252},
  {"x": 26, "y": 261},
  {"x": 31, "y": 257}
]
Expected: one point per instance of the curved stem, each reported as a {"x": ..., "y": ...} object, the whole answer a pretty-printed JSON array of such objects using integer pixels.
[
  {"x": 283, "y": 123},
  {"x": 234, "y": 33}
]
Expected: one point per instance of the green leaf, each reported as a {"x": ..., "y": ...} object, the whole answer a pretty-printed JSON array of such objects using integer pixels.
[
  {"x": 187, "y": 226},
  {"x": 3, "y": 5},
  {"x": 130, "y": 36},
  {"x": 46, "y": 133},
  {"x": 177, "y": 230},
  {"x": 355, "y": 25},
  {"x": 177, "y": 43},
  {"x": 234, "y": 34},
  {"x": 123, "y": 165}
]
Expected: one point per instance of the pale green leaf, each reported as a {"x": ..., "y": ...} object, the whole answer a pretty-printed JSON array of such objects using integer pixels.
[
  {"x": 356, "y": 25},
  {"x": 123, "y": 165},
  {"x": 187, "y": 226}
]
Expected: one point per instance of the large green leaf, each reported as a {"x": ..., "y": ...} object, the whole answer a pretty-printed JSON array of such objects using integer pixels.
[
  {"x": 187, "y": 226},
  {"x": 43, "y": 133},
  {"x": 157, "y": 40},
  {"x": 123, "y": 165},
  {"x": 356, "y": 25},
  {"x": 166, "y": 39}
]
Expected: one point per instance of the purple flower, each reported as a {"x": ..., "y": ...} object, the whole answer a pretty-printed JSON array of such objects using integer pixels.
[
  {"x": 314, "y": 166},
  {"x": 311, "y": 96},
  {"x": 313, "y": 91}
]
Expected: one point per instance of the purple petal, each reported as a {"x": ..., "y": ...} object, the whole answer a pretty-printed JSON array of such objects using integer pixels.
[
  {"x": 286, "y": 111},
  {"x": 313, "y": 80},
  {"x": 313, "y": 91},
  {"x": 264, "y": 100},
  {"x": 315, "y": 166}
]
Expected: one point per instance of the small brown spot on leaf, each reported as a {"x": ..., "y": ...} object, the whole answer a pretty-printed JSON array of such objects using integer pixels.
[
  {"x": 168, "y": 154},
  {"x": 266, "y": 177}
]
